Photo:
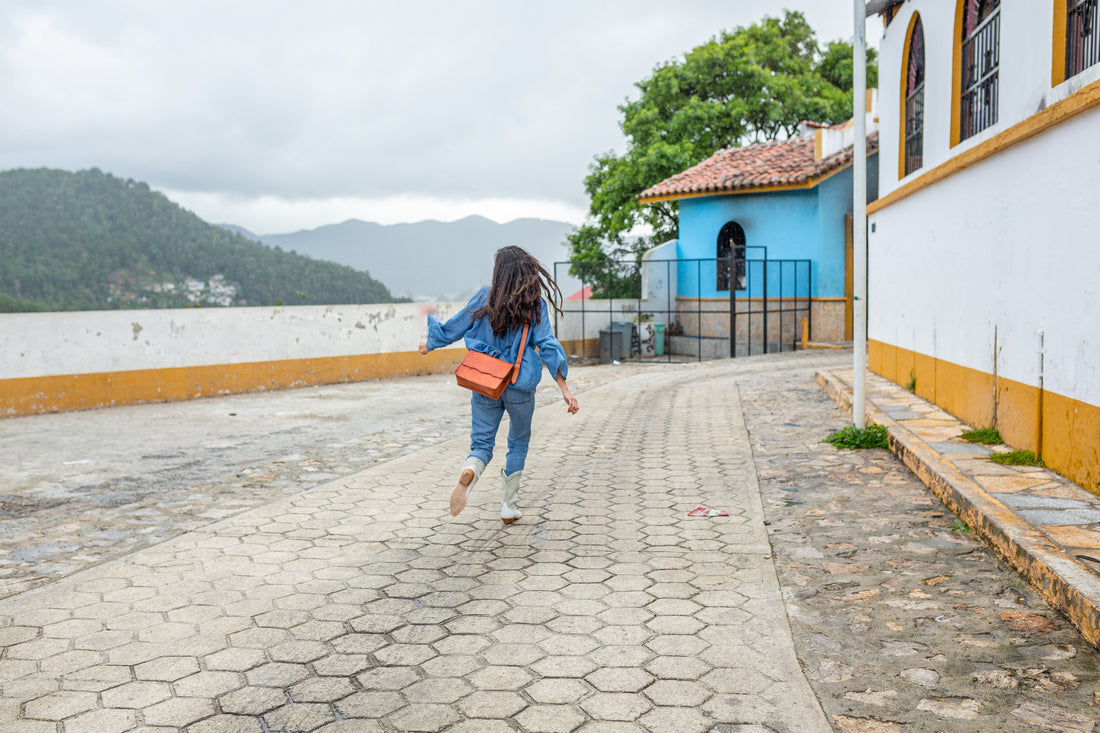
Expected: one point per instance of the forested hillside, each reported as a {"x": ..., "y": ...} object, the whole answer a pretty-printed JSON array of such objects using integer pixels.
[{"x": 89, "y": 241}]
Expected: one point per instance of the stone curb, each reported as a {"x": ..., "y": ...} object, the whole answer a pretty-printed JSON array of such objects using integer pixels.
[{"x": 1063, "y": 581}]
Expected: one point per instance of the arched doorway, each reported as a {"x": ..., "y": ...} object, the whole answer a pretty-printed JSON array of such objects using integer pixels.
[{"x": 731, "y": 240}]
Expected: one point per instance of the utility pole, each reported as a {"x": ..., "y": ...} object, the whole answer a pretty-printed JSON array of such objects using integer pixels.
[{"x": 859, "y": 213}]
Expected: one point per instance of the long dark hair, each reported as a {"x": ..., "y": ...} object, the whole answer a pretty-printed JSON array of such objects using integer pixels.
[{"x": 519, "y": 281}]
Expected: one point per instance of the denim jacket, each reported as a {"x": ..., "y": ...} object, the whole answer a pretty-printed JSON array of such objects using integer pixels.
[{"x": 479, "y": 337}]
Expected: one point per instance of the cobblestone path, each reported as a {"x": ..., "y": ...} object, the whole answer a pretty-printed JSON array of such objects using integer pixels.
[
  {"x": 361, "y": 605},
  {"x": 903, "y": 621},
  {"x": 80, "y": 488}
]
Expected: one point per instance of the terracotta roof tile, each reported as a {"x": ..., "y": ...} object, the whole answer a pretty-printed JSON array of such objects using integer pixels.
[{"x": 777, "y": 163}]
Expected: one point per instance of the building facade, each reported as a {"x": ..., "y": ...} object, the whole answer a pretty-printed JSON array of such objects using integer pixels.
[
  {"x": 787, "y": 203},
  {"x": 983, "y": 266}
]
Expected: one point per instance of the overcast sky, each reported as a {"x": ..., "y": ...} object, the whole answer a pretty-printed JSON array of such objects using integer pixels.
[{"x": 280, "y": 115}]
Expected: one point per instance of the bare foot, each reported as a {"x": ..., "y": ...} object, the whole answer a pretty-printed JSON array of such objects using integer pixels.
[{"x": 458, "y": 496}]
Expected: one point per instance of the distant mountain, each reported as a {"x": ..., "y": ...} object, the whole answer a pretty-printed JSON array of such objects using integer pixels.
[
  {"x": 91, "y": 241},
  {"x": 240, "y": 230},
  {"x": 429, "y": 259}
]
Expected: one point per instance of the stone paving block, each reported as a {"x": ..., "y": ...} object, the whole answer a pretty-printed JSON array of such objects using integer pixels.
[
  {"x": 491, "y": 704},
  {"x": 235, "y": 660},
  {"x": 373, "y": 704},
  {"x": 208, "y": 684},
  {"x": 277, "y": 674},
  {"x": 252, "y": 700},
  {"x": 137, "y": 694},
  {"x": 321, "y": 690},
  {"x": 557, "y": 691},
  {"x": 424, "y": 717},
  {"x": 550, "y": 718},
  {"x": 677, "y": 692},
  {"x": 358, "y": 725},
  {"x": 626, "y": 679},
  {"x": 60, "y": 705},
  {"x": 615, "y": 706},
  {"x": 227, "y": 724},
  {"x": 102, "y": 721},
  {"x": 676, "y": 720},
  {"x": 299, "y": 717},
  {"x": 166, "y": 669},
  {"x": 178, "y": 711},
  {"x": 388, "y": 678}
]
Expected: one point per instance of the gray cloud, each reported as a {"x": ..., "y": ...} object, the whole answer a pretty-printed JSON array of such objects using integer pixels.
[{"x": 344, "y": 99}]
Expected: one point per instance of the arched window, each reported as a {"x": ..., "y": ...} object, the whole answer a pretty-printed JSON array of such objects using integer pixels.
[
  {"x": 913, "y": 83},
  {"x": 731, "y": 241},
  {"x": 1082, "y": 36},
  {"x": 980, "y": 59}
]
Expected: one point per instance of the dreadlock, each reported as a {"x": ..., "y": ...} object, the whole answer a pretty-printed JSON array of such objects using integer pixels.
[{"x": 519, "y": 281}]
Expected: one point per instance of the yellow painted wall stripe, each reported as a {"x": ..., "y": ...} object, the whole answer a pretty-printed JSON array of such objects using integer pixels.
[
  {"x": 1065, "y": 431},
  {"x": 1082, "y": 101},
  {"x": 1058, "y": 44},
  {"x": 35, "y": 395},
  {"x": 956, "y": 73}
]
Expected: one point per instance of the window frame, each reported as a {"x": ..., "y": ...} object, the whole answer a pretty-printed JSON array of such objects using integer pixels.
[
  {"x": 915, "y": 24},
  {"x": 1064, "y": 33},
  {"x": 985, "y": 86}
]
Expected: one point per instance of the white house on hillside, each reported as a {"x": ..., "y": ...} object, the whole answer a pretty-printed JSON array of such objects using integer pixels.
[{"x": 984, "y": 244}]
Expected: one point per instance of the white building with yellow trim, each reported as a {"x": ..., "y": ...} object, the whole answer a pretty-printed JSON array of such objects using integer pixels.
[{"x": 984, "y": 245}]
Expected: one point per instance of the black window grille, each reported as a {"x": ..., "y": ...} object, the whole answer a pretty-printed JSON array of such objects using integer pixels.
[
  {"x": 981, "y": 58},
  {"x": 914, "y": 101},
  {"x": 1082, "y": 38},
  {"x": 731, "y": 240}
]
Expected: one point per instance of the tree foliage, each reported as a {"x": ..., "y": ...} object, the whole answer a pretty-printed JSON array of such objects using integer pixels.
[
  {"x": 748, "y": 85},
  {"x": 90, "y": 241}
]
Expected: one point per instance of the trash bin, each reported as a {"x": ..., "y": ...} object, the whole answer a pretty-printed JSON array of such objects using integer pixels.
[
  {"x": 625, "y": 329},
  {"x": 659, "y": 338},
  {"x": 610, "y": 345}
]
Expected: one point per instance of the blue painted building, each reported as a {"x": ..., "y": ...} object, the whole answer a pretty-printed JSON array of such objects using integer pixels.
[{"x": 781, "y": 208}]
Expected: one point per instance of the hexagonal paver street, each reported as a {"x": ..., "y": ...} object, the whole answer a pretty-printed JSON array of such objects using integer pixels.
[
  {"x": 361, "y": 605},
  {"x": 363, "y": 599}
]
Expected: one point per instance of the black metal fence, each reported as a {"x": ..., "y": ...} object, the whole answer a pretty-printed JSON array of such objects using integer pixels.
[
  {"x": 1082, "y": 38},
  {"x": 671, "y": 309}
]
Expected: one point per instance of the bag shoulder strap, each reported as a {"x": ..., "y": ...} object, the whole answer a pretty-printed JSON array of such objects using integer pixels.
[{"x": 519, "y": 356}]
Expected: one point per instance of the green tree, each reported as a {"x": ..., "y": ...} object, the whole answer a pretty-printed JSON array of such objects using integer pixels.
[{"x": 748, "y": 85}]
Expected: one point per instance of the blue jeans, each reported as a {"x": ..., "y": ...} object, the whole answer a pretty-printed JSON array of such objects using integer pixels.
[{"x": 485, "y": 419}]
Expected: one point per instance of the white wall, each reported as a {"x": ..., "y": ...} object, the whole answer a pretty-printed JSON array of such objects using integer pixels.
[
  {"x": 1007, "y": 244},
  {"x": 1023, "y": 81},
  {"x": 49, "y": 344}
]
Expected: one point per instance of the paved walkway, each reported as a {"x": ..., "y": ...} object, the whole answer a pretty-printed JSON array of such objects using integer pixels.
[
  {"x": 835, "y": 596},
  {"x": 1043, "y": 525}
]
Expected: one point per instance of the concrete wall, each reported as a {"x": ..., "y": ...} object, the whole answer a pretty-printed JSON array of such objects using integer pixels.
[
  {"x": 983, "y": 270},
  {"x": 58, "y": 361}
]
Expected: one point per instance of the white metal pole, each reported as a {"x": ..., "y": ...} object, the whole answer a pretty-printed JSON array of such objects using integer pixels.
[{"x": 859, "y": 213}]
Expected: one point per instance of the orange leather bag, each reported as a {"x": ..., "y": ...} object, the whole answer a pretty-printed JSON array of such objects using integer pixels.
[{"x": 488, "y": 375}]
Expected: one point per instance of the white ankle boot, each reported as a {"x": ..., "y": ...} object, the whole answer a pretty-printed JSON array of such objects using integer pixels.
[
  {"x": 509, "y": 493},
  {"x": 471, "y": 472}
]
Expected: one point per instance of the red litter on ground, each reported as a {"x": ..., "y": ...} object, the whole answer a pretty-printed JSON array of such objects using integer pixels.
[{"x": 702, "y": 511}]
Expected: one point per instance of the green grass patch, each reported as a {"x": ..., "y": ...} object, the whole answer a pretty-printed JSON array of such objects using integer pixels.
[
  {"x": 911, "y": 385},
  {"x": 852, "y": 438},
  {"x": 959, "y": 526},
  {"x": 985, "y": 436},
  {"x": 1016, "y": 458}
]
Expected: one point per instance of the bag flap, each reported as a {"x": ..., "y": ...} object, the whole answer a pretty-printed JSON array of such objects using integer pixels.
[{"x": 487, "y": 364}]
